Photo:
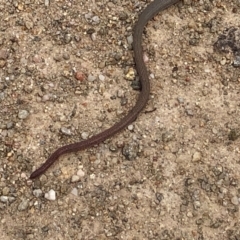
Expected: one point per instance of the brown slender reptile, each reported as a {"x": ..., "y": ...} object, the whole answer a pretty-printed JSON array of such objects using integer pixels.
[{"x": 148, "y": 13}]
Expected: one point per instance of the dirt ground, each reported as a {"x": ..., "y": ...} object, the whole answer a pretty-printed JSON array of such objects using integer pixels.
[{"x": 66, "y": 74}]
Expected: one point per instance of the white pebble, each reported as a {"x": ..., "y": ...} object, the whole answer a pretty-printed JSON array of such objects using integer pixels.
[
  {"x": 75, "y": 178},
  {"x": 74, "y": 192},
  {"x": 92, "y": 176},
  {"x": 23, "y": 205},
  {"x": 130, "y": 39},
  {"x": 94, "y": 36},
  {"x": 91, "y": 78},
  {"x": 145, "y": 58},
  {"x": 234, "y": 200},
  {"x": 84, "y": 135},
  {"x": 66, "y": 131},
  {"x": 80, "y": 173},
  {"x": 96, "y": 19},
  {"x": 130, "y": 127},
  {"x": 51, "y": 195},
  {"x": 4, "y": 199},
  {"x": 23, "y": 114},
  {"x": 46, "y": 3},
  {"x": 196, "y": 157},
  {"x": 152, "y": 76},
  {"x": 45, "y": 97},
  {"x": 223, "y": 61},
  {"x": 101, "y": 77}
]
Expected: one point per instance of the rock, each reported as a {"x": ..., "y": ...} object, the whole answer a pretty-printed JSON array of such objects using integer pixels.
[
  {"x": 51, "y": 195},
  {"x": 196, "y": 157},
  {"x": 37, "y": 192},
  {"x": 23, "y": 205},
  {"x": 23, "y": 114},
  {"x": 234, "y": 200},
  {"x": 75, "y": 178},
  {"x": 80, "y": 173}
]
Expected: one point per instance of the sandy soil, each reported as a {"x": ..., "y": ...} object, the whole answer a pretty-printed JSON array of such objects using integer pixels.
[{"x": 64, "y": 76}]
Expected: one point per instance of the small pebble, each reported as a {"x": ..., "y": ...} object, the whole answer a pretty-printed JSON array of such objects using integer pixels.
[
  {"x": 75, "y": 178},
  {"x": 57, "y": 57},
  {"x": 236, "y": 61},
  {"x": 189, "y": 214},
  {"x": 10, "y": 125},
  {"x": 196, "y": 157},
  {"x": 189, "y": 112},
  {"x": 88, "y": 16},
  {"x": 66, "y": 131},
  {"x": 152, "y": 76},
  {"x": 45, "y": 97},
  {"x": 23, "y": 205},
  {"x": 130, "y": 39},
  {"x": 37, "y": 192},
  {"x": 94, "y": 36},
  {"x": 5, "y": 191},
  {"x": 84, "y": 135},
  {"x": 4, "y": 54},
  {"x": 234, "y": 200},
  {"x": 130, "y": 74},
  {"x": 51, "y": 195},
  {"x": 46, "y": 3},
  {"x": 214, "y": 130},
  {"x": 23, "y": 114},
  {"x": 96, "y": 20},
  {"x": 101, "y": 77},
  {"x": 223, "y": 61},
  {"x": 66, "y": 56},
  {"x": 74, "y": 192},
  {"x": 130, "y": 127},
  {"x": 67, "y": 38},
  {"x": 11, "y": 199},
  {"x": 102, "y": 65},
  {"x": 80, "y": 173},
  {"x": 92, "y": 176},
  {"x": 80, "y": 76},
  {"x": 145, "y": 58},
  {"x": 37, "y": 59},
  {"x": 180, "y": 100},
  {"x": 91, "y": 78},
  {"x": 4, "y": 199},
  {"x": 130, "y": 151}
]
